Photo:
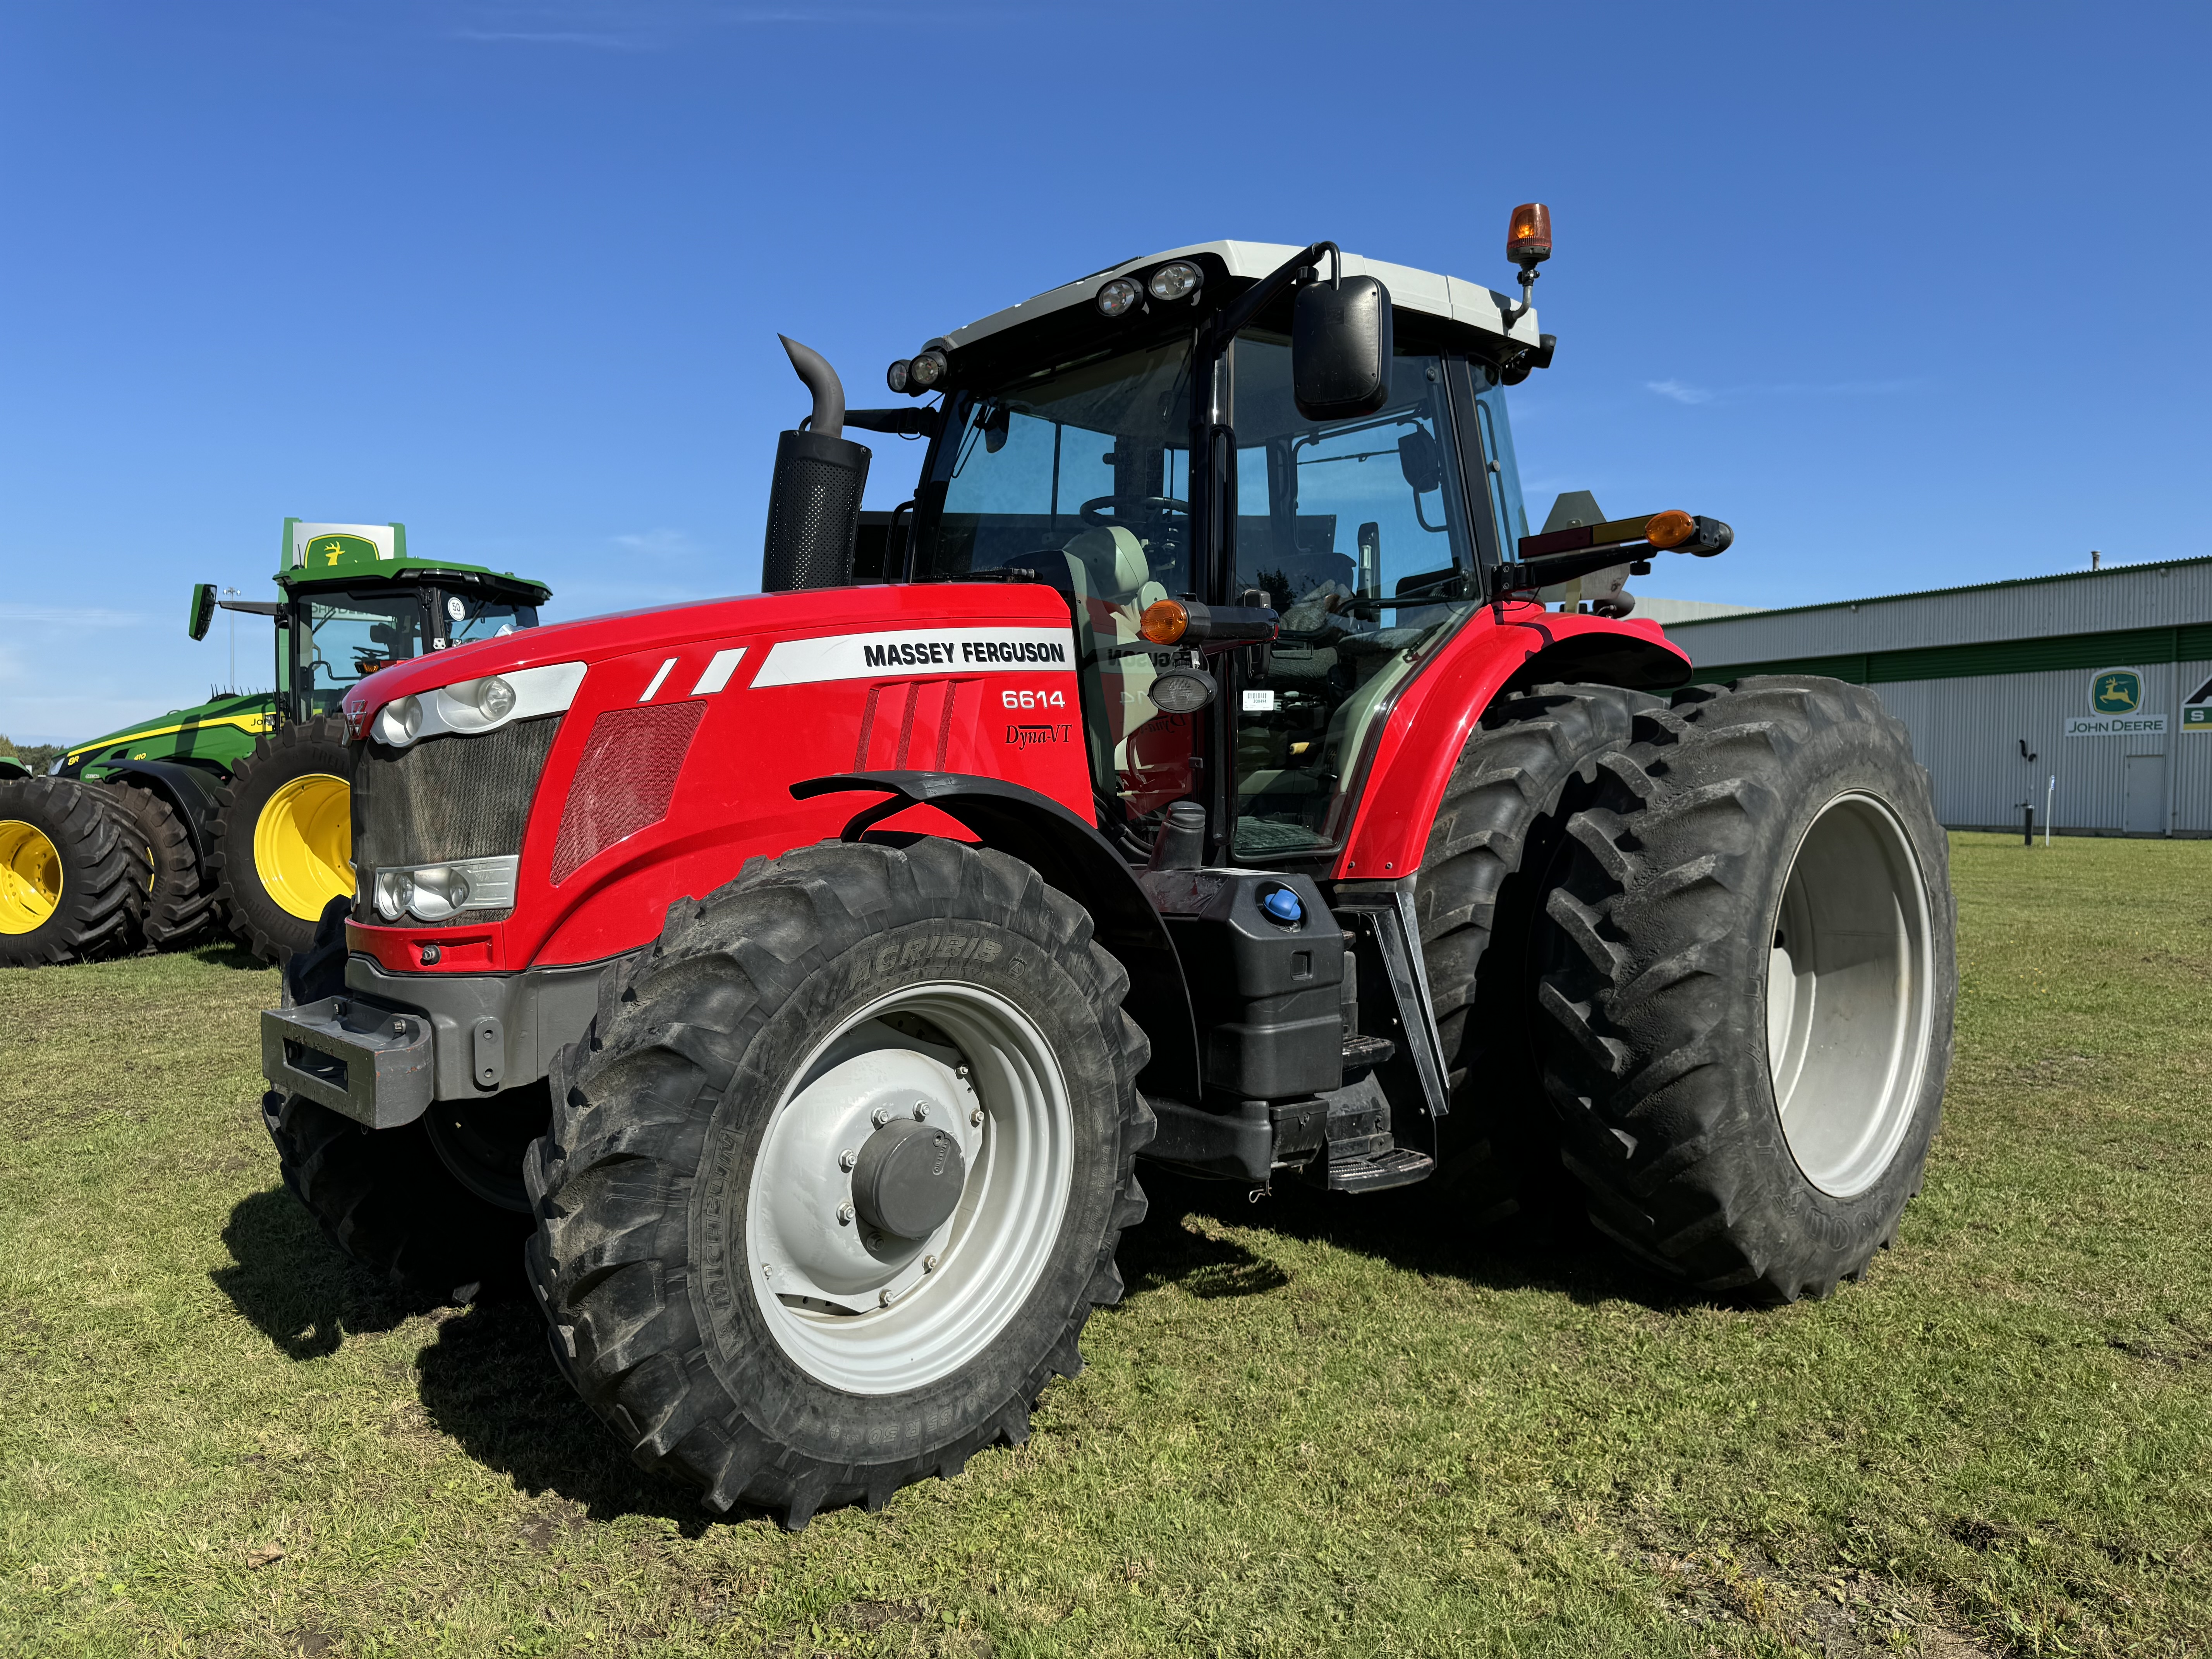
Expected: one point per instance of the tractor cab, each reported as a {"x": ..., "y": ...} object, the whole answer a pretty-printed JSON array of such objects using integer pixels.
[
  {"x": 354, "y": 602},
  {"x": 1064, "y": 448}
]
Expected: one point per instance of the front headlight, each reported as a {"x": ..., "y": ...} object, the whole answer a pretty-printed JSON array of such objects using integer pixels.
[
  {"x": 400, "y": 722},
  {"x": 432, "y": 892},
  {"x": 468, "y": 707}
]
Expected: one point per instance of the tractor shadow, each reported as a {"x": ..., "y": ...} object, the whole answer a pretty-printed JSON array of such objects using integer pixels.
[
  {"x": 226, "y": 954},
  {"x": 1546, "y": 1245},
  {"x": 486, "y": 1379}
]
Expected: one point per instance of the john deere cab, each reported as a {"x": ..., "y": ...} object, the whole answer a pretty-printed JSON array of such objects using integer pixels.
[{"x": 237, "y": 812}]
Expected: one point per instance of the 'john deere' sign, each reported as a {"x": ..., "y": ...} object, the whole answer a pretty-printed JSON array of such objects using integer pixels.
[
  {"x": 2116, "y": 708},
  {"x": 326, "y": 550}
]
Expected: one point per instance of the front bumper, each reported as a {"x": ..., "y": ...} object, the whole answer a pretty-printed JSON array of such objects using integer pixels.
[
  {"x": 394, "y": 1042},
  {"x": 373, "y": 1064}
]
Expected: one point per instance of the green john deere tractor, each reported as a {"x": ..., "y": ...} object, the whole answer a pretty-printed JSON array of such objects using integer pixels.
[{"x": 236, "y": 813}]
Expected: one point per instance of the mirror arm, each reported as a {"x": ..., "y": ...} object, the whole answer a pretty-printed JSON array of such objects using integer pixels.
[
  {"x": 1527, "y": 575},
  {"x": 252, "y": 607}
]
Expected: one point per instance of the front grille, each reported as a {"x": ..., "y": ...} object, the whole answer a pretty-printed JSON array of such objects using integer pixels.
[{"x": 442, "y": 799}]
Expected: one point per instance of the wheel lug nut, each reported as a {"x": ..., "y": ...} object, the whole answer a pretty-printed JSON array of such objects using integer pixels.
[
  {"x": 847, "y": 1159},
  {"x": 882, "y": 1115},
  {"x": 844, "y": 1215},
  {"x": 975, "y": 1118},
  {"x": 929, "y": 1264},
  {"x": 920, "y": 1110},
  {"x": 884, "y": 1298}
]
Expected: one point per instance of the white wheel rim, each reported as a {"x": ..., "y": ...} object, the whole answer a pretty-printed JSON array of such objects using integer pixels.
[
  {"x": 887, "y": 1315},
  {"x": 1848, "y": 994}
]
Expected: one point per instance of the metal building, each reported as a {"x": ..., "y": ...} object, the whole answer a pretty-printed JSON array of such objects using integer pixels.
[{"x": 2100, "y": 679}]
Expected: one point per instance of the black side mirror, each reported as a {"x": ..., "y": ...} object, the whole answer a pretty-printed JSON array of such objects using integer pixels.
[
  {"x": 1421, "y": 461},
  {"x": 1340, "y": 349},
  {"x": 202, "y": 614}
]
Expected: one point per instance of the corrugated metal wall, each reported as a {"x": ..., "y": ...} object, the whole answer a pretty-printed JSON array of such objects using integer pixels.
[
  {"x": 1967, "y": 729},
  {"x": 2136, "y": 596},
  {"x": 1967, "y": 734}
]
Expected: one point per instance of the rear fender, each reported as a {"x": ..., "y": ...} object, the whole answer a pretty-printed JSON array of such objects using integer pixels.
[
  {"x": 1430, "y": 724},
  {"x": 1074, "y": 857}
]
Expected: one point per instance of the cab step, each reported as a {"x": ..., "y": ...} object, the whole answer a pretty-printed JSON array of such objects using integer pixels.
[{"x": 1397, "y": 1166}]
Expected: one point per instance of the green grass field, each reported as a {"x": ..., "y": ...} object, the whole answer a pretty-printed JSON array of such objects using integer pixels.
[{"x": 1312, "y": 1427}]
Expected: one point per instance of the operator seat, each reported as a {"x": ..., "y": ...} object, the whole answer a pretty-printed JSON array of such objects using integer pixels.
[{"x": 1114, "y": 583}]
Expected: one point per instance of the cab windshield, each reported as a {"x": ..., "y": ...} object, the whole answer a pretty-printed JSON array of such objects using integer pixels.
[
  {"x": 348, "y": 637},
  {"x": 469, "y": 617}
]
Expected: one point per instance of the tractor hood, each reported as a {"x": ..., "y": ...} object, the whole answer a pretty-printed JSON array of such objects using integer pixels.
[{"x": 729, "y": 638}]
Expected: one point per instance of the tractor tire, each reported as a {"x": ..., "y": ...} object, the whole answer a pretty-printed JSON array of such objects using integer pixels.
[
  {"x": 1528, "y": 767},
  {"x": 743, "y": 1313},
  {"x": 72, "y": 876},
  {"x": 177, "y": 907},
  {"x": 411, "y": 1203},
  {"x": 282, "y": 843},
  {"x": 1750, "y": 976}
]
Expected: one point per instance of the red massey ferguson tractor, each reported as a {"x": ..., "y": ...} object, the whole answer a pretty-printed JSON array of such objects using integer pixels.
[{"x": 1193, "y": 769}]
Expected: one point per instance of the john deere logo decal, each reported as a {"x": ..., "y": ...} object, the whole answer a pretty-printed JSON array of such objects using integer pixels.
[
  {"x": 2116, "y": 691},
  {"x": 2116, "y": 708},
  {"x": 326, "y": 550}
]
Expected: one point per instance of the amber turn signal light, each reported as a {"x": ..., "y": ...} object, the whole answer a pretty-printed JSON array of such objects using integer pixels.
[
  {"x": 1165, "y": 621},
  {"x": 1669, "y": 529},
  {"x": 1529, "y": 234}
]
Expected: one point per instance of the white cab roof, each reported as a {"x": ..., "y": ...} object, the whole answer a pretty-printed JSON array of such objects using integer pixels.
[{"x": 1453, "y": 298}]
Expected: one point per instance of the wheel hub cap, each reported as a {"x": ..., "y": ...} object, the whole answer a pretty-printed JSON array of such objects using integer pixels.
[{"x": 908, "y": 1179}]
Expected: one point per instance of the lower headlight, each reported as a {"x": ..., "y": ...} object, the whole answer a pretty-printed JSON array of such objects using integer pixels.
[
  {"x": 432, "y": 892},
  {"x": 395, "y": 891}
]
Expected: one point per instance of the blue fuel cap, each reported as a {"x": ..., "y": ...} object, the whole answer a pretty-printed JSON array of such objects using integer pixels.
[{"x": 1282, "y": 905}]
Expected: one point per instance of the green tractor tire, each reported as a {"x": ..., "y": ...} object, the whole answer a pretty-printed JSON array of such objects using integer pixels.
[
  {"x": 73, "y": 876},
  {"x": 179, "y": 904},
  {"x": 283, "y": 847}
]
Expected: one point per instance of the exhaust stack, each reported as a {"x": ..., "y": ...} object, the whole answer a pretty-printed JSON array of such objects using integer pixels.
[{"x": 814, "y": 497}]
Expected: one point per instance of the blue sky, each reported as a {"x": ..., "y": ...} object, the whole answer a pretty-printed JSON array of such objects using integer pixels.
[{"x": 1912, "y": 296}]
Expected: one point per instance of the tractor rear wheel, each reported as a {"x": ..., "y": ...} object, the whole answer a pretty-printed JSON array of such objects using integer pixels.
[
  {"x": 1750, "y": 978},
  {"x": 838, "y": 1175},
  {"x": 282, "y": 844},
  {"x": 177, "y": 907},
  {"x": 1527, "y": 767},
  {"x": 72, "y": 877}
]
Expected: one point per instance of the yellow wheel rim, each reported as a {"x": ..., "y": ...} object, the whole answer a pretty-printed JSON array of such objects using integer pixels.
[
  {"x": 30, "y": 876},
  {"x": 303, "y": 843}
]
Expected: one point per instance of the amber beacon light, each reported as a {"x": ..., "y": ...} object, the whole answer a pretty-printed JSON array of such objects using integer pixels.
[{"x": 1528, "y": 235}]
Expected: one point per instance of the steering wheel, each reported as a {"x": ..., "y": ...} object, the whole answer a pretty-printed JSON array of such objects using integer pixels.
[{"x": 1090, "y": 513}]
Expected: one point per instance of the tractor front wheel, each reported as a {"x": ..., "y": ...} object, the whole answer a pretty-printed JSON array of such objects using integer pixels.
[
  {"x": 837, "y": 1176},
  {"x": 283, "y": 836},
  {"x": 1750, "y": 977}
]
